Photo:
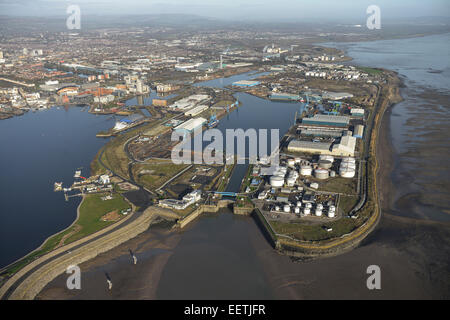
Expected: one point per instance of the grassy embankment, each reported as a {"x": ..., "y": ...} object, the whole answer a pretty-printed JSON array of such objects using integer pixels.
[
  {"x": 371, "y": 71},
  {"x": 91, "y": 210}
]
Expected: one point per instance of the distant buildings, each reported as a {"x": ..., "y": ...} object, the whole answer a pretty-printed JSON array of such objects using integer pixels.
[
  {"x": 136, "y": 85},
  {"x": 166, "y": 87}
]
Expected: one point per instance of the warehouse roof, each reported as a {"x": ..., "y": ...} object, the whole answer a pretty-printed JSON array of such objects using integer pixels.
[
  {"x": 298, "y": 144},
  {"x": 191, "y": 124}
]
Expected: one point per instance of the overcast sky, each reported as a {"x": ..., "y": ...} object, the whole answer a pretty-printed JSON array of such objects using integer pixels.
[{"x": 352, "y": 10}]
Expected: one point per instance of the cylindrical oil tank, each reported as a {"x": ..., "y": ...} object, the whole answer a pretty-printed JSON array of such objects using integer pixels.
[
  {"x": 299, "y": 204},
  {"x": 287, "y": 208},
  {"x": 321, "y": 173},
  {"x": 332, "y": 173},
  {"x": 350, "y": 165},
  {"x": 293, "y": 174},
  {"x": 326, "y": 157},
  {"x": 277, "y": 208},
  {"x": 297, "y": 160},
  {"x": 347, "y": 173},
  {"x": 331, "y": 214},
  {"x": 291, "y": 162},
  {"x": 332, "y": 208},
  {"x": 297, "y": 210},
  {"x": 307, "y": 211},
  {"x": 276, "y": 181},
  {"x": 319, "y": 206},
  {"x": 291, "y": 181},
  {"x": 318, "y": 212},
  {"x": 326, "y": 164},
  {"x": 348, "y": 159},
  {"x": 305, "y": 170},
  {"x": 308, "y": 205}
]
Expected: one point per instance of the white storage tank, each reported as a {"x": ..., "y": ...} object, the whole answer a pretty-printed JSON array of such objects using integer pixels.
[
  {"x": 326, "y": 164},
  {"x": 308, "y": 205},
  {"x": 297, "y": 210},
  {"x": 276, "y": 181},
  {"x": 320, "y": 206},
  {"x": 318, "y": 212},
  {"x": 291, "y": 181},
  {"x": 350, "y": 165},
  {"x": 331, "y": 214},
  {"x": 347, "y": 172},
  {"x": 348, "y": 159},
  {"x": 305, "y": 170},
  {"x": 291, "y": 162},
  {"x": 287, "y": 208},
  {"x": 299, "y": 204},
  {"x": 321, "y": 173},
  {"x": 332, "y": 173},
  {"x": 326, "y": 157},
  {"x": 297, "y": 160},
  {"x": 277, "y": 208},
  {"x": 307, "y": 211}
]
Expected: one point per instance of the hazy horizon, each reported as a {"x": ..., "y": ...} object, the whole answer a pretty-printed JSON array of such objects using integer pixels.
[{"x": 345, "y": 11}]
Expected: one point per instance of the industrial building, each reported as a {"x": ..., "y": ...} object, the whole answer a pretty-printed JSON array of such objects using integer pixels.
[
  {"x": 189, "y": 125},
  {"x": 196, "y": 111},
  {"x": 321, "y": 120},
  {"x": 190, "y": 102},
  {"x": 336, "y": 95},
  {"x": 309, "y": 147},
  {"x": 159, "y": 102},
  {"x": 284, "y": 97},
  {"x": 346, "y": 147},
  {"x": 357, "y": 112},
  {"x": 187, "y": 200},
  {"x": 359, "y": 131},
  {"x": 126, "y": 122},
  {"x": 321, "y": 132}
]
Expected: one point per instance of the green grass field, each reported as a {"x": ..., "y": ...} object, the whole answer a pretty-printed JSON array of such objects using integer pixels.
[
  {"x": 370, "y": 71},
  {"x": 315, "y": 232}
]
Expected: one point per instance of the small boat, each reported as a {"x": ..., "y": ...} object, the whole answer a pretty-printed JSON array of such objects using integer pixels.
[{"x": 213, "y": 124}]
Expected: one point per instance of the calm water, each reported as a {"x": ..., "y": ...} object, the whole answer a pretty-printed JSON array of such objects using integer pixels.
[
  {"x": 38, "y": 149},
  {"x": 254, "y": 113}
]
